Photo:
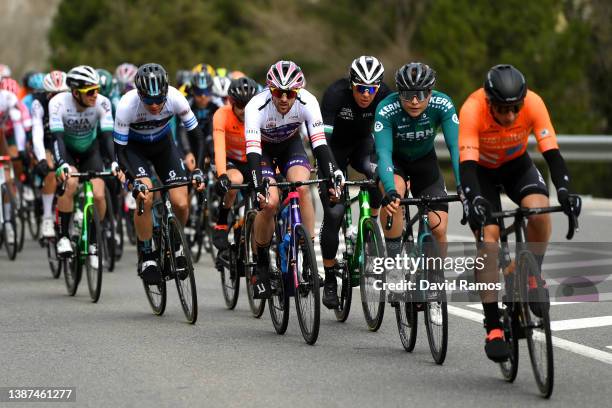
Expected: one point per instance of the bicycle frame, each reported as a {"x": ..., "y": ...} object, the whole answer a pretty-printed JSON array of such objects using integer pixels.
[
  {"x": 365, "y": 212},
  {"x": 290, "y": 220},
  {"x": 84, "y": 234}
]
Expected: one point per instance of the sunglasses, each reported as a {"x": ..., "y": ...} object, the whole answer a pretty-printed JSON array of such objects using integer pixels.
[
  {"x": 421, "y": 95},
  {"x": 152, "y": 100},
  {"x": 504, "y": 109},
  {"x": 278, "y": 93},
  {"x": 91, "y": 91},
  {"x": 361, "y": 88},
  {"x": 202, "y": 92}
]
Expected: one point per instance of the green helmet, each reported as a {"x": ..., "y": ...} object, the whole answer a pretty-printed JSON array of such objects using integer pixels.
[{"x": 106, "y": 82}]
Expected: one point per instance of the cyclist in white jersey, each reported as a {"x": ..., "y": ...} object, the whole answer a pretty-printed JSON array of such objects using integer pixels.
[
  {"x": 272, "y": 122},
  {"x": 143, "y": 134},
  {"x": 73, "y": 121}
]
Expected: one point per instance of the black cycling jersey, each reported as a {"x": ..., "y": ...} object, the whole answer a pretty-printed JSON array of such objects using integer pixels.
[
  {"x": 344, "y": 120},
  {"x": 204, "y": 116}
]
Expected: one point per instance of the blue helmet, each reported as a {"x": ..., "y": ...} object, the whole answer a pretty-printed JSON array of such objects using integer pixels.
[{"x": 35, "y": 82}]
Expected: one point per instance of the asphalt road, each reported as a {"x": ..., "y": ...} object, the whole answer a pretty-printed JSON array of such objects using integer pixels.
[{"x": 117, "y": 353}]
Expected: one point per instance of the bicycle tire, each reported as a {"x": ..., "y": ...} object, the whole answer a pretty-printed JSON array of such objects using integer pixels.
[
  {"x": 52, "y": 259},
  {"x": 537, "y": 329},
  {"x": 186, "y": 286},
  {"x": 230, "y": 279},
  {"x": 29, "y": 214},
  {"x": 278, "y": 303},
  {"x": 372, "y": 300},
  {"x": 257, "y": 306},
  {"x": 307, "y": 294},
  {"x": 436, "y": 324},
  {"x": 108, "y": 233},
  {"x": 406, "y": 315},
  {"x": 72, "y": 272},
  {"x": 119, "y": 233},
  {"x": 509, "y": 368},
  {"x": 20, "y": 221},
  {"x": 346, "y": 294},
  {"x": 11, "y": 247},
  {"x": 94, "y": 264},
  {"x": 157, "y": 294}
]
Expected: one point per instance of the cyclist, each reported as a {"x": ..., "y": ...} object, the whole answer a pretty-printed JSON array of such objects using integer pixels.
[
  {"x": 125, "y": 74},
  {"x": 73, "y": 121},
  {"x": 275, "y": 116},
  {"x": 34, "y": 85},
  {"x": 495, "y": 123},
  {"x": 230, "y": 151},
  {"x": 348, "y": 115},
  {"x": 405, "y": 129},
  {"x": 204, "y": 108},
  {"x": 220, "y": 87},
  {"x": 10, "y": 115},
  {"x": 53, "y": 83},
  {"x": 142, "y": 120}
]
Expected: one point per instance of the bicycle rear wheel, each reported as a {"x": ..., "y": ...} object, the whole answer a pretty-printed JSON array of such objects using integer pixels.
[
  {"x": 372, "y": 300},
  {"x": 346, "y": 293},
  {"x": 54, "y": 263},
  {"x": 72, "y": 270},
  {"x": 436, "y": 313},
  {"x": 95, "y": 253},
  {"x": 279, "y": 299},
  {"x": 406, "y": 315},
  {"x": 10, "y": 223},
  {"x": 537, "y": 329},
  {"x": 119, "y": 235},
  {"x": 230, "y": 277},
  {"x": 307, "y": 294},
  {"x": 108, "y": 234},
  {"x": 183, "y": 274},
  {"x": 257, "y": 305},
  {"x": 509, "y": 368}
]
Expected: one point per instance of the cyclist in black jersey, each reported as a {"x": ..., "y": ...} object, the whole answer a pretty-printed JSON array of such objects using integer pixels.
[
  {"x": 201, "y": 104},
  {"x": 348, "y": 115}
]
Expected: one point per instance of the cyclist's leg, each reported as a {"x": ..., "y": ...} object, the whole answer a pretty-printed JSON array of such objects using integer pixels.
[
  {"x": 170, "y": 168},
  {"x": 295, "y": 166},
  {"x": 49, "y": 185},
  {"x": 363, "y": 160},
  {"x": 179, "y": 197},
  {"x": 93, "y": 161},
  {"x": 393, "y": 235}
]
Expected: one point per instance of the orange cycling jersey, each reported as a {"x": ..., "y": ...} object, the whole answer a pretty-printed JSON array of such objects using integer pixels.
[
  {"x": 228, "y": 138},
  {"x": 484, "y": 140}
]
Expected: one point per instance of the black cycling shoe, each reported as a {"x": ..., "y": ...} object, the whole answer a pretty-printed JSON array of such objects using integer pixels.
[
  {"x": 261, "y": 282},
  {"x": 496, "y": 347},
  {"x": 330, "y": 292},
  {"x": 219, "y": 237},
  {"x": 539, "y": 298},
  {"x": 150, "y": 273}
]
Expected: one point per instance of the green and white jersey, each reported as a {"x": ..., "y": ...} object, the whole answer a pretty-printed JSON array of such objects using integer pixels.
[
  {"x": 79, "y": 126},
  {"x": 397, "y": 134}
]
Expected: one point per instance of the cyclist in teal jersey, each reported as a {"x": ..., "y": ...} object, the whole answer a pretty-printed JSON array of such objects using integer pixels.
[{"x": 405, "y": 127}]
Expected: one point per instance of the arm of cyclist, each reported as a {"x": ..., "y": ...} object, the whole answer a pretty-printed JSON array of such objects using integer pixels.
[{"x": 383, "y": 140}]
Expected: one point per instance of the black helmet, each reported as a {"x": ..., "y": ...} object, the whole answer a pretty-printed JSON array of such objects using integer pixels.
[
  {"x": 152, "y": 81},
  {"x": 241, "y": 90},
  {"x": 201, "y": 80},
  {"x": 415, "y": 76},
  {"x": 505, "y": 85}
]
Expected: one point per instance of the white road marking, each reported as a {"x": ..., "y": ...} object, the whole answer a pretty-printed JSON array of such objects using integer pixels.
[
  {"x": 478, "y": 306},
  {"x": 584, "y": 323},
  {"x": 567, "y": 345},
  {"x": 601, "y": 213},
  {"x": 610, "y": 347},
  {"x": 576, "y": 264}
]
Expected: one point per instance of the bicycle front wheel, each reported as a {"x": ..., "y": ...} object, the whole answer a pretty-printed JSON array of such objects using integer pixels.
[
  {"x": 182, "y": 266},
  {"x": 95, "y": 253},
  {"x": 54, "y": 263},
  {"x": 406, "y": 314},
  {"x": 436, "y": 313},
  {"x": 537, "y": 328},
  {"x": 372, "y": 300},
  {"x": 307, "y": 294},
  {"x": 230, "y": 278},
  {"x": 279, "y": 299},
  {"x": 509, "y": 368}
]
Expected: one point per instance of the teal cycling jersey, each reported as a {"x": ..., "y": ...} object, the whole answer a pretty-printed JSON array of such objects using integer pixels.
[{"x": 399, "y": 135}]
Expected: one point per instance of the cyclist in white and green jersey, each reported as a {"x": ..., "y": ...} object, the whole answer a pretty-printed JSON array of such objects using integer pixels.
[{"x": 73, "y": 120}]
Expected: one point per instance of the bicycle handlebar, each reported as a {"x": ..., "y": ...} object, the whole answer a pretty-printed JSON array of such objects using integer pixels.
[
  {"x": 572, "y": 219},
  {"x": 422, "y": 201}
]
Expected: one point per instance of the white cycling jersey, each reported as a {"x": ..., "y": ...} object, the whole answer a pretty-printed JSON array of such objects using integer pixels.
[
  {"x": 80, "y": 126},
  {"x": 9, "y": 110},
  {"x": 37, "y": 111},
  {"x": 262, "y": 121},
  {"x": 134, "y": 122}
]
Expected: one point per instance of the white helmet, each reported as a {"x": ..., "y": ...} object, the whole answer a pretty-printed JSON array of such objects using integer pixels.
[
  {"x": 5, "y": 71},
  {"x": 220, "y": 86},
  {"x": 366, "y": 70},
  {"x": 55, "y": 81},
  {"x": 82, "y": 76},
  {"x": 126, "y": 73}
]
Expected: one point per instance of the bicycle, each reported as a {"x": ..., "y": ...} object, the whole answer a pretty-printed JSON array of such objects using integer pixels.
[
  {"x": 431, "y": 301},
  {"x": 87, "y": 239},
  {"x": 9, "y": 216},
  {"x": 169, "y": 241},
  {"x": 355, "y": 267},
  {"x": 294, "y": 272},
  {"x": 518, "y": 320}
]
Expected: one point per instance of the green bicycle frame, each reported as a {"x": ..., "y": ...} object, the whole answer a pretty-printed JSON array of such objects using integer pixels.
[
  {"x": 355, "y": 260},
  {"x": 83, "y": 244}
]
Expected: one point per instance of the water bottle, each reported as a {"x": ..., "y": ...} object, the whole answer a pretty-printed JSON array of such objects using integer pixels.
[{"x": 283, "y": 247}]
